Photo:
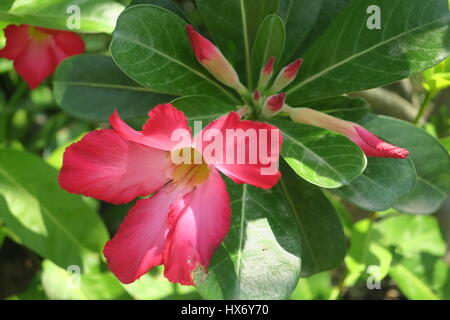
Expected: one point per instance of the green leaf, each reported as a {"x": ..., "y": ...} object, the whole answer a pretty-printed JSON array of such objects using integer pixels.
[
  {"x": 269, "y": 42},
  {"x": 329, "y": 11},
  {"x": 47, "y": 220},
  {"x": 61, "y": 284},
  {"x": 437, "y": 78},
  {"x": 364, "y": 252},
  {"x": 319, "y": 156},
  {"x": 350, "y": 57},
  {"x": 233, "y": 25},
  {"x": 95, "y": 16},
  {"x": 260, "y": 257},
  {"x": 299, "y": 17},
  {"x": 321, "y": 232},
  {"x": 316, "y": 287},
  {"x": 91, "y": 86},
  {"x": 424, "y": 277},
  {"x": 167, "y": 4},
  {"x": 446, "y": 143},
  {"x": 202, "y": 108},
  {"x": 383, "y": 182},
  {"x": 431, "y": 160},
  {"x": 411, "y": 235},
  {"x": 150, "y": 45}
]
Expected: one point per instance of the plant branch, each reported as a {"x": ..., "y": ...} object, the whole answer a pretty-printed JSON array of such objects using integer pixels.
[{"x": 388, "y": 103}]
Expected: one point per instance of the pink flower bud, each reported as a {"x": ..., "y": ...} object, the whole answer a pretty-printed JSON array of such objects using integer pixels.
[
  {"x": 274, "y": 104},
  {"x": 370, "y": 144},
  {"x": 268, "y": 67},
  {"x": 256, "y": 96},
  {"x": 286, "y": 76},
  {"x": 266, "y": 73},
  {"x": 213, "y": 60}
]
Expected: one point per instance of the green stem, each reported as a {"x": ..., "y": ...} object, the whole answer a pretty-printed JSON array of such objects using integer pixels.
[
  {"x": 6, "y": 113},
  {"x": 424, "y": 106},
  {"x": 246, "y": 46}
]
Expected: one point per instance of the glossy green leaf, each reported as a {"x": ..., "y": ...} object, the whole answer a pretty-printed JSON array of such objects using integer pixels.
[
  {"x": 299, "y": 17},
  {"x": 328, "y": 12},
  {"x": 260, "y": 257},
  {"x": 95, "y": 16},
  {"x": 150, "y": 44},
  {"x": 202, "y": 108},
  {"x": 431, "y": 160},
  {"x": 364, "y": 253},
  {"x": 383, "y": 182},
  {"x": 424, "y": 277},
  {"x": 350, "y": 56},
  {"x": 167, "y": 4},
  {"x": 319, "y": 156},
  {"x": 91, "y": 86},
  {"x": 61, "y": 284},
  {"x": 411, "y": 235},
  {"x": 54, "y": 224},
  {"x": 269, "y": 42},
  {"x": 321, "y": 232},
  {"x": 233, "y": 25}
]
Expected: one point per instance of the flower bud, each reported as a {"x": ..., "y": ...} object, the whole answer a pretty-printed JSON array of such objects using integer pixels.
[
  {"x": 256, "y": 97},
  {"x": 370, "y": 144},
  {"x": 274, "y": 104},
  {"x": 266, "y": 73},
  {"x": 210, "y": 57},
  {"x": 286, "y": 76}
]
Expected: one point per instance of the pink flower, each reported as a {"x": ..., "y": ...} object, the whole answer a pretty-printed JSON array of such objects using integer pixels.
[
  {"x": 37, "y": 51},
  {"x": 370, "y": 144},
  {"x": 188, "y": 215},
  {"x": 212, "y": 59},
  {"x": 286, "y": 76}
]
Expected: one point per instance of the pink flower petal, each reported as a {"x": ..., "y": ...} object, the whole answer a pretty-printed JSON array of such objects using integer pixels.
[
  {"x": 36, "y": 62},
  {"x": 66, "y": 44},
  {"x": 375, "y": 147},
  {"x": 16, "y": 41},
  {"x": 105, "y": 166},
  {"x": 163, "y": 121},
  {"x": 138, "y": 246},
  {"x": 197, "y": 225},
  {"x": 263, "y": 172}
]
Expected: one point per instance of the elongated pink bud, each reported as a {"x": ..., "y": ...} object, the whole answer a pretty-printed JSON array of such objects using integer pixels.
[
  {"x": 370, "y": 144},
  {"x": 256, "y": 97},
  {"x": 266, "y": 73},
  {"x": 213, "y": 60},
  {"x": 274, "y": 104},
  {"x": 286, "y": 76}
]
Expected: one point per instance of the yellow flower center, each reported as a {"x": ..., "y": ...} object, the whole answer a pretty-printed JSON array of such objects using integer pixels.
[
  {"x": 36, "y": 34},
  {"x": 189, "y": 167}
]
